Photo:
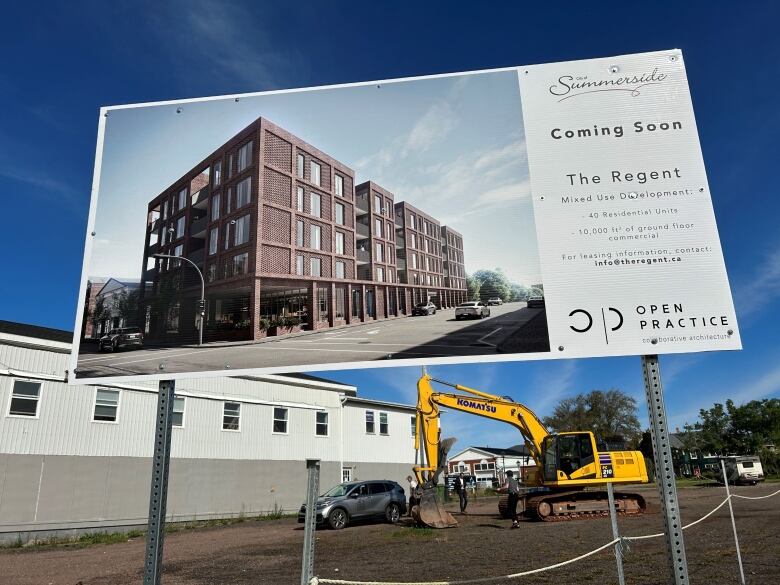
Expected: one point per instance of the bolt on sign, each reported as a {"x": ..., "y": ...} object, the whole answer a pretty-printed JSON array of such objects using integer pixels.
[{"x": 533, "y": 212}]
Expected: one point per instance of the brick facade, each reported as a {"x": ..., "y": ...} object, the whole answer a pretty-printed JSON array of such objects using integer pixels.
[{"x": 284, "y": 241}]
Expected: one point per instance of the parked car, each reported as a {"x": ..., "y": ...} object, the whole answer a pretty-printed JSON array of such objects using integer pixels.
[
  {"x": 495, "y": 301},
  {"x": 424, "y": 309},
  {"x": 121, "y": 338},
  {"x": 535, "y": 302},
  {"x": 471, "y": 310},
  {"x": 359, "y": 500}
]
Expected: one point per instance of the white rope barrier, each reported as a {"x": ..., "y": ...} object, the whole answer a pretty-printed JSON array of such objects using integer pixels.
[{"x": 622, "y": 541}]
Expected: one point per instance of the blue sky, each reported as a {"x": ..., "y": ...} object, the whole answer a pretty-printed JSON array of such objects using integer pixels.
[
  {"x": 62, "y": 61},
  {"x": 451, "y": 146}
]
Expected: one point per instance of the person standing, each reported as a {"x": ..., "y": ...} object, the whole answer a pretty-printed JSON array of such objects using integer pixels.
[
  {"x": 413, "y": 499},
  {"x": 460, "y": 487},
  {"x": 512, "y": 488}
]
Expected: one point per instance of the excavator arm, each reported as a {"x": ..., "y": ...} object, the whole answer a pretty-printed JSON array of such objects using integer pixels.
[{"x": 434, "y": 450}]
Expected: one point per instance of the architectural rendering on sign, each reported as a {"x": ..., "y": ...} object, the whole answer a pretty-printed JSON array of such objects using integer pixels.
[{"x": 310, "y": 232}]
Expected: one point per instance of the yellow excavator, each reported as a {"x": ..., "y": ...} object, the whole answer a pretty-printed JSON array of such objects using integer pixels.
[{"x": 566, "y": 463}]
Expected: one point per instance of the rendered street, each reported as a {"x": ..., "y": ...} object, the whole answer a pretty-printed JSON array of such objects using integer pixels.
[{"x": 433, "y": 336}]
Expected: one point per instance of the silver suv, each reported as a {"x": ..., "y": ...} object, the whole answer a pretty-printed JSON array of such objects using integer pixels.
[{"x": 359, "y": 500}]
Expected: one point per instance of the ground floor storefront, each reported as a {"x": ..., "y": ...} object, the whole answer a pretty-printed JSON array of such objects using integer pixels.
[{"x": 267, "y": 307}]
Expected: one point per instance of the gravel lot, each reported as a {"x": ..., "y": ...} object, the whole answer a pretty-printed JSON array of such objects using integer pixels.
[{"x": 269, "y": 551}]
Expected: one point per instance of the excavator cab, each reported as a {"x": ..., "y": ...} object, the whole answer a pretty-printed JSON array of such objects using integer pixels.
[{"x": 569, "y": 457}]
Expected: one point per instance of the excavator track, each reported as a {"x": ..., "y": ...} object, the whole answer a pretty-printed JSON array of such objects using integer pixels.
[{"x": 576, "y": 505}]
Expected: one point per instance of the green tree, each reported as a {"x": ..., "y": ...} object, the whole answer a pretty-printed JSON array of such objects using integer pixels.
[
  {"x": 731, "y": 429},
  {"x": 492, "y": 284},
  {"x": 518, "y": 292},
  {"x": 472, "y": 286},
  {"x": 99, "y": 314},
  {"x": 125, "y": 305},
  {"x": 611, "y": 415}
]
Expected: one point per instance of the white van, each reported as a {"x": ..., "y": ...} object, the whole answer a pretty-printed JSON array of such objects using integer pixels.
[{"x": 744, "y": 470}]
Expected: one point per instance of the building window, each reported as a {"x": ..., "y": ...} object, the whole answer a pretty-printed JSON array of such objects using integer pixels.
[
  {"x": 380, "y": 274},
  {"x": 315, "y": 266},
  {"x": 413, "y": 240},
  {"x": 414, "y": 260},
  {"x": 240, "y": 264},
  {"x": 178, "y": 251},
  {"x": 299, "y": 233},
  {"x": 299, "y": 264},
  {"x": 299, "y": 165},
  {"x": 377, "y": 204},
  {"x": 230, "y": 165},
  {"x": 414, "y": 425},
  {"x": 231, "y": 416},
  {"x": 213, "y": 241},
  {"x": 315, "y": 237},
  {"x": 106, "y": 405},
  {"x": 346, "y": 474},
  {"x": 182, "y": 200},
  {"x": 380, "y": 252},
  {"x": 280, "y": 419},
  {"x": 322, "y": 423},
  {"x": 24, "y": 398},
  {"x": 339, "y": 185},
  {"x": 211, "y": 273},
  {"x": 217, "y": 173},
  {"x": 370, "y": 422},
  {"x": 339, "y": 269},
  {"x": 244, "y": 192},
  {"x": 411, "y": 220},
  {"x": 384, "y": 426},
  {"x": 339, "y": 243},
  {"x": 378, "y": 227},
  {"x": 215, "y": 207},
  {"x": 244, "y": 156},
  {"x": 299, "y": 200},
  {"x": 227, "y": 236},
  {"x": 165, "y": 209},
  {"x": 241, "y": 230},
  {"x": 339, "y": 214},
  {"x": 316, "y": 169},
  {"x": 180, "y": 224},
  {"x": 178, "y": 411},
  {"x": 315, "y": 203}
]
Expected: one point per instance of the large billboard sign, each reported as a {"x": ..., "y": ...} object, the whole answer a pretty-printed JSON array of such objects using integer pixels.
[{"x": 537, "y": 212}]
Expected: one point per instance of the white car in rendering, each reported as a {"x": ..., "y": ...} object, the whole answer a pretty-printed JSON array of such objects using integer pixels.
[{"x": 471, "y": 310}]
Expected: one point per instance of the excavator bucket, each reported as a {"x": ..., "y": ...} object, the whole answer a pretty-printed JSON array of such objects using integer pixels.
[{"x": 430, "y": 512}]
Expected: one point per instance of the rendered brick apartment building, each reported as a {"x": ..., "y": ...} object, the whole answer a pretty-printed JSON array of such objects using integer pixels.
[{"x": 286, "y": 241}]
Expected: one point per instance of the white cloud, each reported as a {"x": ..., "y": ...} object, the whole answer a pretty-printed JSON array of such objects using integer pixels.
[
  {"x": 762, "y": 288},
  {"x": 433, "y": 127}
]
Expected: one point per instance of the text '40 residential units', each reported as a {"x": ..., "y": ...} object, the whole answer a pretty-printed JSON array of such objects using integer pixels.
[{"x": 285, "y": 241}]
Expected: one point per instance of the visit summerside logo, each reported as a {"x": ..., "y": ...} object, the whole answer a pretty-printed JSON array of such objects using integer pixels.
[{"x": 571, "y": 86}]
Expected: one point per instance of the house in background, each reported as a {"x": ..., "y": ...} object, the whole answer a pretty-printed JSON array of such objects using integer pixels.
[
  {"x": 490, "y": 464},
  {"x": 115, "y": 305},
  {"x": 94, "y": 284}
]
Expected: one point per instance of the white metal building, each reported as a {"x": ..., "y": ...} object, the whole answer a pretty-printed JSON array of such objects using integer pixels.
[{"x": 79, "y": 457}]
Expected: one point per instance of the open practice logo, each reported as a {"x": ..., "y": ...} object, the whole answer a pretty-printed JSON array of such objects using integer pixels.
[{"x": 582, "y": 320}]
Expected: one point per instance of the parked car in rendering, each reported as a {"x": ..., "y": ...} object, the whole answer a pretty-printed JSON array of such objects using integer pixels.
[
  {"x": 471, "y": 310},
  {"x": 495, "y": 301},
  {"x": 359, "y": 500},
  {"x": 121, "y": 338},
  {"x": 535, "y": 302},
  {"x": 424, "y": 309}
]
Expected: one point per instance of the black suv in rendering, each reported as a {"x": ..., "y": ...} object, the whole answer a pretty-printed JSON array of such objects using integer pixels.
[{"x": 121, "y": 338}]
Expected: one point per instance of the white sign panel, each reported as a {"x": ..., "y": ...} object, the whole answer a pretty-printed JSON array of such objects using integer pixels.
[
  {"x": 628, "y": 243},
  {"x": 539, "y": 212}
]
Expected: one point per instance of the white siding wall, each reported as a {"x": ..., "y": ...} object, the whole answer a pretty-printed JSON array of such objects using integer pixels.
[{"x": 395, "y": 447}]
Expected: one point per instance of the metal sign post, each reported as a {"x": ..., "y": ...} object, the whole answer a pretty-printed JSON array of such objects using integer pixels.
[
  {"x": 733, "y": 523},
  {"x": 615, "y": 534},
  {"x": 664, "y": 469},
  {"x": 158, "y": 496},
  {"x": 307, "y": 565}
]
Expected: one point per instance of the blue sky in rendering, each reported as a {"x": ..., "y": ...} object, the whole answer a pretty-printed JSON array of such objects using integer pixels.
[
  {"x": 451, "y": 146},
  {"x": 62, "y": 61}
]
